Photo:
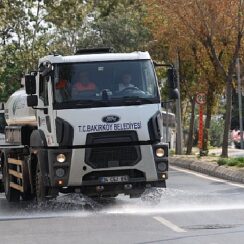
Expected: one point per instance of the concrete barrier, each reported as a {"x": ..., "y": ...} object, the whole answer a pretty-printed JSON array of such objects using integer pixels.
[{"x": 209, "y": 167}]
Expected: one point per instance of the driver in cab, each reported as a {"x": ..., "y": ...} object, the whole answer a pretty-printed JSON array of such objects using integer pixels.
[
  {"x": 126, "y": 82},
  {"x": 82, "y": 84}
]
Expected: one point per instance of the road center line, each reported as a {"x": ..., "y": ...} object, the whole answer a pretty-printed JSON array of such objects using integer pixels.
[
  {"x": 206, "y": 176},
  {"x": 169, "y": 224}
]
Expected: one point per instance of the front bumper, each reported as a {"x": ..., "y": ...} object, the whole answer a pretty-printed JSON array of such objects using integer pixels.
[{"x": 79, "y": 174}]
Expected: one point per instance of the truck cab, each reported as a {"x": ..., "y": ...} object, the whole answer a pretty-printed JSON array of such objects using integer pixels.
[{"x": 101, "y": 139}]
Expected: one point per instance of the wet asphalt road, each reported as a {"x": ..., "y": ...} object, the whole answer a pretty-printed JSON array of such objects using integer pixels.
[{"x": 193, "y": 209}]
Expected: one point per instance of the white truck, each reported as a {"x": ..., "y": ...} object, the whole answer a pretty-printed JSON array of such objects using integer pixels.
[{"x": 103, "y": 143}]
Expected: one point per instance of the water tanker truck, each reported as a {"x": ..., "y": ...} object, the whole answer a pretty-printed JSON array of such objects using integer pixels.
[{"x": 97, "y": 139}]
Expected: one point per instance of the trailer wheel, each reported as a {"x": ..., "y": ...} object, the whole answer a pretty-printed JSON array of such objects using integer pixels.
[
  {"x": 12, "y": 195},
  {"x": 1, "y": 186},
  {"x": 40, "y": 189},
  {"x": 1, "y": 169}
]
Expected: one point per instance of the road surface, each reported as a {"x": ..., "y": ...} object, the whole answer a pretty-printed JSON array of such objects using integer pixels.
[{"x": 193, "y": 209}]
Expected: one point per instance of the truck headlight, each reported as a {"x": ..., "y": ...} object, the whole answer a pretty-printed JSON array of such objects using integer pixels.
[
  {"x": 61, "y": 158},
  {"x": 160, "y": 152},
  {"x": 60, "y": 172}
]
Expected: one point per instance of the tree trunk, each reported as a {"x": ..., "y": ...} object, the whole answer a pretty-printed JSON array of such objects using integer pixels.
[
  {"x": 227, "y": 117},
  {"x": 191, "y": 127}
]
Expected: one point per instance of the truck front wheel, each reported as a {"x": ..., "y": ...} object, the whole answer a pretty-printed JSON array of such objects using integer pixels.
[{"x": 41, "y": 189}]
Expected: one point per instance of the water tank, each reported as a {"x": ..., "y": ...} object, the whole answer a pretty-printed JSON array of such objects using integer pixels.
[{"x": 17, "y": 112}]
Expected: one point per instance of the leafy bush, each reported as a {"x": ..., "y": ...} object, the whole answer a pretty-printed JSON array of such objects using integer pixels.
[
  {"x": 172, "y": 152},
  {"x": 222, "y": 161},
  {"x": 239, "y": 162},
  {"x": 232, "y": 163}
]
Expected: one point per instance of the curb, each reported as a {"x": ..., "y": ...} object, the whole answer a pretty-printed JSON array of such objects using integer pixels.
[{"x": 208, "y": 168}]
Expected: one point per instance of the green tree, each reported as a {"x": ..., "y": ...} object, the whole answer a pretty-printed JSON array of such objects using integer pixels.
[
  {"x": 118, "y": 24},
  {"x": 21, "y": 29},
  {"x": 69, "y": 20},
  {"x": 219, "y": 27}
]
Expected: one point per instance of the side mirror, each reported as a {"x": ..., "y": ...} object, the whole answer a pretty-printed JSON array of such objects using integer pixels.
[
  {"x": 32, "y": 101},
  {"x": 174, "y": 94},
  {"x": 172, "y": 78},
  {"x": 30, "y": 84},
  {"x": 172, "y": 82}
]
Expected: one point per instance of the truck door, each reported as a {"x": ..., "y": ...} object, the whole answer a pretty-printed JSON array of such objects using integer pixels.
[{"x": 43, "y": 113}]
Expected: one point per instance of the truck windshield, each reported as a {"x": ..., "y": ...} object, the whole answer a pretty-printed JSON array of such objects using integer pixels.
[{"x": 113, "y": 83}]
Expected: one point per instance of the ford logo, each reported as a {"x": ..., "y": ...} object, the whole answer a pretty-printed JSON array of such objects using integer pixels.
[{"x": 110, "y": 119}]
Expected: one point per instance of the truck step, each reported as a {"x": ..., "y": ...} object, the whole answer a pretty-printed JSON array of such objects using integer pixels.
[
  {"x": 15, "y": 173},
  {"x": 15, "y": 161},
  {"x": 16, "y": 186},
  {"x": 16, "y": 180}
]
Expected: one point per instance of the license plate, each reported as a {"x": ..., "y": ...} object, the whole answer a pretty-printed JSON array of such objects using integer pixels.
[{"x": 113, "y": 179}]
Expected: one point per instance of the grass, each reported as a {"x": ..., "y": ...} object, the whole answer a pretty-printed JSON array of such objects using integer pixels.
[{"x": 238, "y": 162}]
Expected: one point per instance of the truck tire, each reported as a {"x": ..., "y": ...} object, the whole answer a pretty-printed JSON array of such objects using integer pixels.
[
  {"x": 27, "y": 195},
  {"x": 1, "y": 172},
  {"x": 12, "y": 195},
  {"x": 40, "y": 189}
]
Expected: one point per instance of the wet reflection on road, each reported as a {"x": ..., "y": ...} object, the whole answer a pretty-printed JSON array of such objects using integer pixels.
[{"x": 172, "y": 200}]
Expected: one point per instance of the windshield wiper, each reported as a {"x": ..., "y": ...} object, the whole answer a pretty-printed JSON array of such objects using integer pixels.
[
  {"x": 91, "y": 103},
  {"x": 137, "y": 100}
]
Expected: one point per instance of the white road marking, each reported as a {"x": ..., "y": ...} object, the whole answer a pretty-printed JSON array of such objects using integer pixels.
[
  {"x": 169, "y": 224},
  {"x": 206, "y": 176}
]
